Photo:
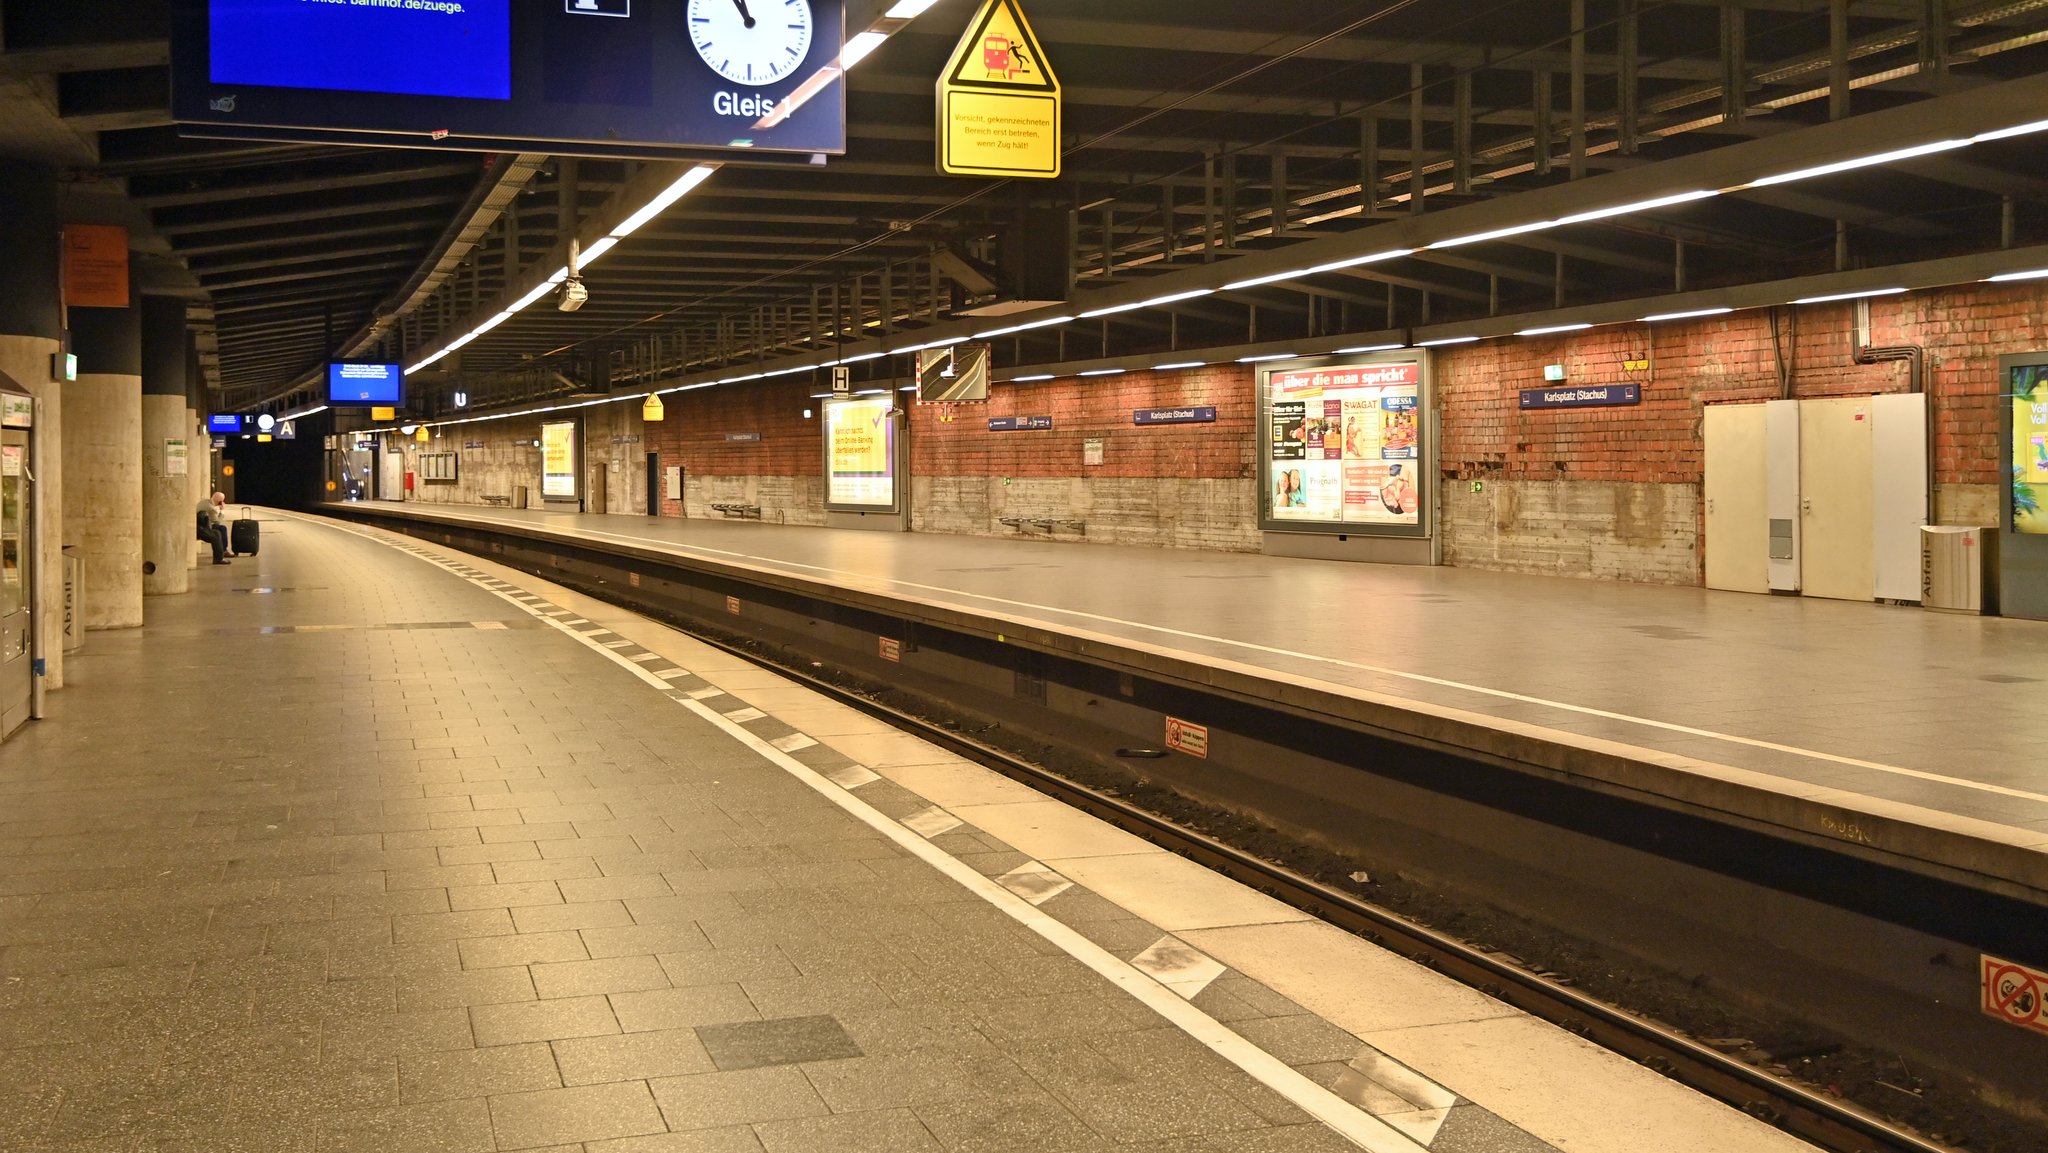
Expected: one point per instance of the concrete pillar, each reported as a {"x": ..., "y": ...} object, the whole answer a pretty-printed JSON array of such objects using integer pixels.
[
  {"x": 31, "y": 332},
  {"x": 103, "y": 490},
  {"x": 199, "y": 485},
  {"x": 167, "y": 503}
]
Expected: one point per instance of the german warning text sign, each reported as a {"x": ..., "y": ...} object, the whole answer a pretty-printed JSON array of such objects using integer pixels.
[
  {"x": 999, "y": 102},
  {"x": 2013, "y": 993}
]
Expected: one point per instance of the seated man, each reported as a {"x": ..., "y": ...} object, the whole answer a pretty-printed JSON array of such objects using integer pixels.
[{"x": 213, "y": 529}]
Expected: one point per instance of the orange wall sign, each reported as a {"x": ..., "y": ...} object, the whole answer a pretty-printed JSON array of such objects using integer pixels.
[{"x": 95, "y": 266}]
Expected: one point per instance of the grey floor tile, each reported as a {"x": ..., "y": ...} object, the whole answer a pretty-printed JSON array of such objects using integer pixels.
[{"x": 784, "y": 1041}]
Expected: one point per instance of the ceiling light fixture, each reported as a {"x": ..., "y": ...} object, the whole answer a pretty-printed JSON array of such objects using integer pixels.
[
  {"x": 1442, "y": 340},
  {"x": 1180, "y": 364},
  {"x": 1834, "y": 296},
  {"x": 1688, "y": 314},
  {"x": 1369, "y": 348},
  {"x": 1266, "y": 356},
  {"x": 1548, "y": 329}
]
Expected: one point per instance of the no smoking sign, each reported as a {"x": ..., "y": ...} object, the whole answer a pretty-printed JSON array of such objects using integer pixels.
[{"x": 2013, "y": 993}]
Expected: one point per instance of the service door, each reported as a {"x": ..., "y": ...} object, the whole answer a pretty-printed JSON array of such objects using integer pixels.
[
  {"x": 17, "y": 684},
  {"x": 597, "y": 495},
  {"x": 1738, "y": 523},
  {"x": 1835, "y": 508},
  {"x": 391, "y": 474}
]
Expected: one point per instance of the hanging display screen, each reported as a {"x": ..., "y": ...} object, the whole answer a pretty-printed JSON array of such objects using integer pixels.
[
  {"x": 576, "y": 77},
  {"x": 558, "y": 460},
  {"x": 1343, "y": 448},
  {"x": 860, "y": 453}
]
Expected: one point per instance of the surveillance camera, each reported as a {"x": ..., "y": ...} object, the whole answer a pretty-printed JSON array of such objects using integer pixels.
[{"x": 573, "y": 295}]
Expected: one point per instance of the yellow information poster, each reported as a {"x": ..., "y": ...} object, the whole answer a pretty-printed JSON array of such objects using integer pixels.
[
  {"x": 2028, "y": 388},
  {"x": 860, "y": 452},
  {"x": 999, "y": 102},
  {"x": 558, "y": 459}
]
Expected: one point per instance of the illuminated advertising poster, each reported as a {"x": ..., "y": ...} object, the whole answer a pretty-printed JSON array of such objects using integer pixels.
[
  {"x": 558, "y": 459},
  {"x": 1345, "y": 445},
  {"x": 2027, "y": 385},
  {"x": 860, "y": 452}
]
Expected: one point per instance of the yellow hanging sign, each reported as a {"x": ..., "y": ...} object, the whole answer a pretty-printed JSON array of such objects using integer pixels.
[
  {"x": 651, "y": 409},
  {"x": 383, "y": 414},
  {"x": 999, "y": 102}
]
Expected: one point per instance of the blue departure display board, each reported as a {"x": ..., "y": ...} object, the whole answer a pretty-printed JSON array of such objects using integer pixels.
[
  {"x": 406, "y": 47},
  {"x": 360, "y": 384},
  {"x": 224, "y": 423},
  {"x": 675, "y": 79}
]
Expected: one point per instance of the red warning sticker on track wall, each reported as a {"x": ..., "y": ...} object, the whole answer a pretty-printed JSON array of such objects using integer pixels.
[
  {"x": 2013, "y": 993},
  {"x": 1187, "y": 737}
]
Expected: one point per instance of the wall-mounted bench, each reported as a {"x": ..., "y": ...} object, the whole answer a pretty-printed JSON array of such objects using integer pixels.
[
  {"x": 502, "y": 499},
  {"x": 735, "y": 509},
  {"x": 1026, "y": 524}
]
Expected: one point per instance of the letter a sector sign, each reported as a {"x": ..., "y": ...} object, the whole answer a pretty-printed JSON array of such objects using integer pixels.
[{"x": 999, "y": 103}]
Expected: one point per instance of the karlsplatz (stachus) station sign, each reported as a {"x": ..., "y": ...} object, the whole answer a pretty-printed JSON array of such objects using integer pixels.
[{"x": 999, "y": 102}]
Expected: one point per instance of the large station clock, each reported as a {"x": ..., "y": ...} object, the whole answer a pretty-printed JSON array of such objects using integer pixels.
[{"x": 751, "y": 42}]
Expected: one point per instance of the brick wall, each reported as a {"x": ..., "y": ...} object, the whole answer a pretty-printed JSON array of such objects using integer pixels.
[
  {"x": 782, "y": 473},
  {"x": 1614, "y": 492},
  {"x": 1171, "y": 486}
]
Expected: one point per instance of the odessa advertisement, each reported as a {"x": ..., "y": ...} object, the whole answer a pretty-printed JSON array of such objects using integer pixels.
[
  {"x": 2028, "y": 388},
  {"x": 1345, "y": 445}
]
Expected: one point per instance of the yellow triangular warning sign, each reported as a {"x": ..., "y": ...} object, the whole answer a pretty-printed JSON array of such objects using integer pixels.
[{"x": 1000, "y": 51}]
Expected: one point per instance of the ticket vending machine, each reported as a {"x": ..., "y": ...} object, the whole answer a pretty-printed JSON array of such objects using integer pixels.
[{"x": 20, "y": 645}]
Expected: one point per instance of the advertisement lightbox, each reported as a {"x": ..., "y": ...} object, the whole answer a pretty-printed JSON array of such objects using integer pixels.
[
  {"x": 1342, "y": 449},
  {"x": 860, "y": 454},
  {"x": 558, "y": 460}
]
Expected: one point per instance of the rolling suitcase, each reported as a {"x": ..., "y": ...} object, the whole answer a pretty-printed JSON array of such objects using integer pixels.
[{"x": 245, "y": 534}]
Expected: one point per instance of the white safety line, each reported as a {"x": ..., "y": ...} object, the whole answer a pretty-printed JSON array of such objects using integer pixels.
[
  {"x": 1361, "y": 1128},
  {"x": 1380, "y": 670}
]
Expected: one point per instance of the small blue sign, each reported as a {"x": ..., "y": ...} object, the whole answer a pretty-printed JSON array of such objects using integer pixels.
[
  {"x": 1203, "y": 414},
  {"x": 1398, "y": 403},
  {"x": 1583, "y": 396},
  {"x": 1019, "y": 423},
  {"x": 224, "y": 422}
]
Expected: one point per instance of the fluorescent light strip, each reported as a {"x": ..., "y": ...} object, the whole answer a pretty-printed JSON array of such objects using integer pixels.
[
  {"x": 1355, "y": 261},
  {"x": 2015, "y": 130},
  {"x": 1180, "y": 364},
  {"x": 1266, "y": 356},
  {"x": 663, "y": 199},
  {"x": 1441, "y": 340},
  {"x": 1254, "y": 282},
  {"x": 1155, "y": 302},
  {"x": 1026, "y": 327},
  {"x": 864, "y": 356},
  {"x": 1551, "y": 328},
  {"x": 1495, "y": 234},
  {"x": 1102, "y": 372},
  {"x": 1831, "y": 297},
  {"x": 1686, "y": 315},
  {"x": 1638, "y": 206},
  {"x": 2007, "y": 277},
  {"x": 492, "y": 323},
  {"x": 597, "y": 250},
  {"x": 1369, "y": 348},
  {"x": 1895, "y": 154},
  {"x": 1023, "y": 379},
  {"x": 909, "y": 9},
  {"x": 857, "y": 48},
  {"x": 540, "y": 290}
]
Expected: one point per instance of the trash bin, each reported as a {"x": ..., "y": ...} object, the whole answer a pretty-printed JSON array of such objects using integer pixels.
[
  {"x": 518, "y": 496},
  {"x": 1957, "y": 567},
  {"x": 74, "y": 599}
]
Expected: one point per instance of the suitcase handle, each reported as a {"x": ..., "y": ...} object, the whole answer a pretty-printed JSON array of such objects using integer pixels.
[{"x": 247, "y": 513}]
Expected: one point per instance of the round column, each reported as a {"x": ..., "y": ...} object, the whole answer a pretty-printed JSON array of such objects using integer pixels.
[
  {"x": 31, "y": 332},
  {"x": 103, "y": 471},
  {"x": 168, "y": 455}
]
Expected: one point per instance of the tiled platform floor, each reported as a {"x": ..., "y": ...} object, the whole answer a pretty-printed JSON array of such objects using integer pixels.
[
  {"x": 1908, "y": 707},
  {"x": 365, "y": 848}
]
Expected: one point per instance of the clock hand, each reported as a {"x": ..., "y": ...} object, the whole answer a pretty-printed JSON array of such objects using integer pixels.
[{"x": 745, "y": 15}]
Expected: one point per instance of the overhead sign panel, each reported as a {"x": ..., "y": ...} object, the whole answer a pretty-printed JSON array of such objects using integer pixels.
[
  {"x": 999, "y": 102},
  {"x": 650, "y": 80}
]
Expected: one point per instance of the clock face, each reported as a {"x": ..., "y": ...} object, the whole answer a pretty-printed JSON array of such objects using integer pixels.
[{"x": 751, "y": 42}]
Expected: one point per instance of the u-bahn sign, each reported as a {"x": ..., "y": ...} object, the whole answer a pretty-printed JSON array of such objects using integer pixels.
[{"x": 999, "y": 102}]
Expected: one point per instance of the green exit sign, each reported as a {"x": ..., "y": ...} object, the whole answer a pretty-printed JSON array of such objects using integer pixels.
[
  {"x": 1553, "y": 372},
  {"x": 64, "y": 366}
]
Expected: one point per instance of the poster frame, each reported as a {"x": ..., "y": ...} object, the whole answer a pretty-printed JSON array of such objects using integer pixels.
[
  {"x": 2022, "y": 556},
  {"x": 1425, "y": 459},
  {"x": 575, "y": 473},
  {"x": 896, "y": 454}
]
